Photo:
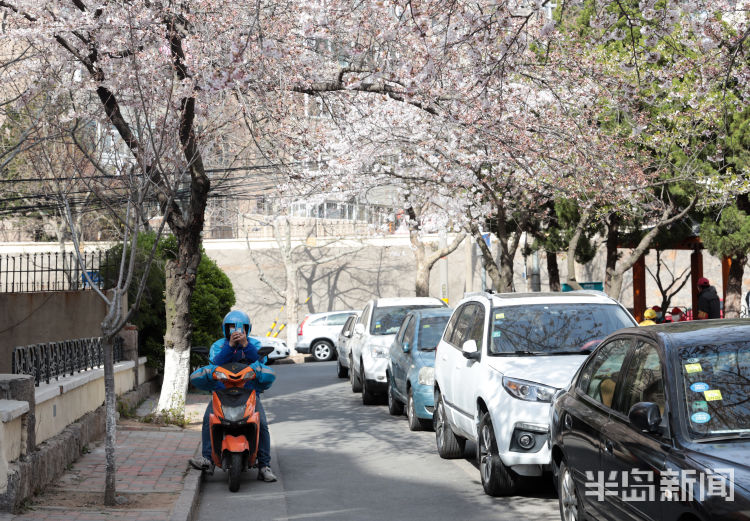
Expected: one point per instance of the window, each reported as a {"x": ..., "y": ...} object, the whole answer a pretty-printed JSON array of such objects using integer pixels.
[
  {"x": 317, "y": 322},
  {"x": 338, "y": 319},
  {"x": 600, "y": 375},
  {"x": 402, "y": 331},
  {"x": 547, "y": 328},
  {"x": 643, "y": 380},
  {"x": 409, "y": 335},
  {"x": 464, "y": 323},
  {"x": 451, "y": 325},
  {"x": 349, "y": 325},
  {"x": 387, "y": 320},
  {"x": 476, "y": 332},
  {"x": 430, "y": 331},
  {"x": 365, "y": 318}
]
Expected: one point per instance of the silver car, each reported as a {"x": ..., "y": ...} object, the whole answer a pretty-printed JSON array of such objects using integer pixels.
[
  {"x": 343, "y": 347},
  {"x": 280, "y": 349},
  {"x": 319, "y": 333}
]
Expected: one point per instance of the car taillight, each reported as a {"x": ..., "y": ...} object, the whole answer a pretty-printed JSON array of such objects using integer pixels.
[{"x": 299, "y": 333}]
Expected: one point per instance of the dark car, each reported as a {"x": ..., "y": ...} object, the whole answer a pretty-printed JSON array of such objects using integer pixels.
[{"x": 656, "y": 425}]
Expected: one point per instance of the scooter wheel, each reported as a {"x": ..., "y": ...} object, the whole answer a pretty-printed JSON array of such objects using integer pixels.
[{"x": 235, "y": 471}]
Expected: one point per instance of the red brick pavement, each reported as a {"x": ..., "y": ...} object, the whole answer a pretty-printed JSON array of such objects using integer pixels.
[{"x": 152, "y": 465}]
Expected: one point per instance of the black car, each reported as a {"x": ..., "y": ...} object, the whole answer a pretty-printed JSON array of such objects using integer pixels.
[{"x": 656, "y": 425}]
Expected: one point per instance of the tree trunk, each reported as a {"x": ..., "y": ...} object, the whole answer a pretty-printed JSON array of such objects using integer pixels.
[
  {"x": 291, "y": 306},
  {"x": 180, "y": 283},
  {"x": 487, "y": 260},
  {"x": 506, "y": 254},
  {"x": 423, "y": 280},
  {"x": 615, "y": 285},
  {"x": 613, "y": 239},
  {"x": 572, "y": 247},
  {"x": 553, "y": 271},
  {"x": 733, "y": 302},
  {"x": 110, "y": 411}
]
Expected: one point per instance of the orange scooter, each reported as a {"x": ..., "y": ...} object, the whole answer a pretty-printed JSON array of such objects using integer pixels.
[{"x": 234, "y": 423}]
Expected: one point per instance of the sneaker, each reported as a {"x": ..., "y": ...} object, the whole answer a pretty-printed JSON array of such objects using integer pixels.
[
  {"x": 202, "y": 463},
  {"x": 266, "y": 474}
]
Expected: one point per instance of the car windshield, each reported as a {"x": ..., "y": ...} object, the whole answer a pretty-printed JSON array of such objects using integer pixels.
[
  {"x": 387, "y": 320},
  {"x": 430, "y": 331},
  {"x": 558, "y": 328},
  {"x": 715, "y": 386}
]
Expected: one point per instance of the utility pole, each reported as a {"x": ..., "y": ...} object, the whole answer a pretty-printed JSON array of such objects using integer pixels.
[{"x": 442, "y": 244}]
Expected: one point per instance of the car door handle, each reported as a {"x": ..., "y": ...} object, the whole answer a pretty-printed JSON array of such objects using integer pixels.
[
  {"x": 608, "y": 446},
  {"x": 568, "y": 421}
]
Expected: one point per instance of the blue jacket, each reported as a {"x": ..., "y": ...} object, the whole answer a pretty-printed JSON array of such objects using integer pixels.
[{"x": 222, "y": 353}]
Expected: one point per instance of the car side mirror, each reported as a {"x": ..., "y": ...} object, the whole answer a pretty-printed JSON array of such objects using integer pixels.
[
  {"x": 645, "y": 416},
  {"x": 265, "y": 351},
  {"x": 359, "y": 329},
  {"x": 470, "y": 350},
  {"x": 405, "y": 346}
]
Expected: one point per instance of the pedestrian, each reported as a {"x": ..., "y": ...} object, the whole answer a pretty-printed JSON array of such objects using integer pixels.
[
  {"x": 708, "y": 300},
  {"x": 648, "y": 318},
  {"x": 677, "y": 315},
  {"x": 659, "y": 315}
]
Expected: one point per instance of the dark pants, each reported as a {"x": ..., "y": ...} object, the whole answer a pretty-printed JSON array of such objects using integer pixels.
[{"x": 264, "y": 438}]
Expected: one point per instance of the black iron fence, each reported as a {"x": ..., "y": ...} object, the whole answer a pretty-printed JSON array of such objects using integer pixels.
[
  {"x": 55, "y": 359},
  {"x": 56, "y": 271}
]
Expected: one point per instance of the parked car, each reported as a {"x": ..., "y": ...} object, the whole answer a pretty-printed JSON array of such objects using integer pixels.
[
  {"x": 280, "y": 349},
  {"x": 501, "y": 359},
  {"x": 319, "y": 332},
  {"x": 411, "y": 366},
  {"x": 668, "y": 405},
  {"x": 373, "y": 335},
  {"x": 342, "y": 345}
]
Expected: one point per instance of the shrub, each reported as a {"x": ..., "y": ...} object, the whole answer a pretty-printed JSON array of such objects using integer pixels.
[{"x": 212, "y": 298}]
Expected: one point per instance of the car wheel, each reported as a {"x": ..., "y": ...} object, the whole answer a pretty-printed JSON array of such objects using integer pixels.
[
  {"x": 354, "y": 378},
  {"x": 368, "y": 397},
  {"x": 322, "y": 351},
  {"x": 449, "y": 445},
  {"x": 270, "y": 361},
  {"x": 395, "y": 408},
  {"x": 415, "y": 422},
  {"x": 571, "y": 508},
  {"x": 341, "y": 371},
  {"x": 497, "y": 479}
]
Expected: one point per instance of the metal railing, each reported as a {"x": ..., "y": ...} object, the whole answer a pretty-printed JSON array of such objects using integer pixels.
[
  {"x": 26, "y": 272},
  {"x": 55, "y": 359}
]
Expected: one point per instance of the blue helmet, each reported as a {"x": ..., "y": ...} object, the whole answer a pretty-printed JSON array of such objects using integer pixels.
[{"x": 235, "y": 320}]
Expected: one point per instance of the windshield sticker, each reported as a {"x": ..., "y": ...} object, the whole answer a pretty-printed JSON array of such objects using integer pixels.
[
  {"x": 425, "y": 326},
  {"x": 693, "y": 368},
  {"x": 700, "y": 417},
  {"x": 712, "y": 395},
  {"x": 497, "y": 334},
  {"x": 693, "y": 360},
  {"x": 498, "y": 316},
  {"x": 699, "y": 387},
  {"x": 377, "y": 326},
  {"x": 700, "y": 406}
]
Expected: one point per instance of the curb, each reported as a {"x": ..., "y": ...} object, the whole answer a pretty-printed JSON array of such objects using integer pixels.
[
  {"x": 187, "y": 503},
  {"x": 296, "y": 359}
]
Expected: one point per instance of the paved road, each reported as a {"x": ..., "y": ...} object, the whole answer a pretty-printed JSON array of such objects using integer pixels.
[{"x": 339, "y": 460}]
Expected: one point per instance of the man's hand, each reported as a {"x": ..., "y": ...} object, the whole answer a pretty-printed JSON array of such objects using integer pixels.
[{"x": 238, "y": 339}]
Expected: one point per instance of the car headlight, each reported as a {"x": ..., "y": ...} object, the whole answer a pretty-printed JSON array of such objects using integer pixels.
[
  {"x": 426, "y": 376},
  {"x": 379, "y": 352},
  {"x": 529, "y": 391}
]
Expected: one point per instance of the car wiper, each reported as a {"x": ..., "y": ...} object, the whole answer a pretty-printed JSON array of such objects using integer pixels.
[
  {"x": 581, "y": 352},
  {"x": 427, "y": 348},
  {"x": 725, "y": 437}
]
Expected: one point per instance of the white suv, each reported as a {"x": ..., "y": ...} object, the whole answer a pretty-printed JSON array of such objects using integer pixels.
[
  {"x": 370, "y": 344},
  {"x": 501, "y": 359}
]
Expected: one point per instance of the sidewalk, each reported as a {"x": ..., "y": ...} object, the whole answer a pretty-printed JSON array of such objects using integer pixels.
[{"x": 154, "y": 481}]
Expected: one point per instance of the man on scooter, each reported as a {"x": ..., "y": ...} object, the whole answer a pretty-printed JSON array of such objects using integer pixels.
[{"x": 234, "y": 347}]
